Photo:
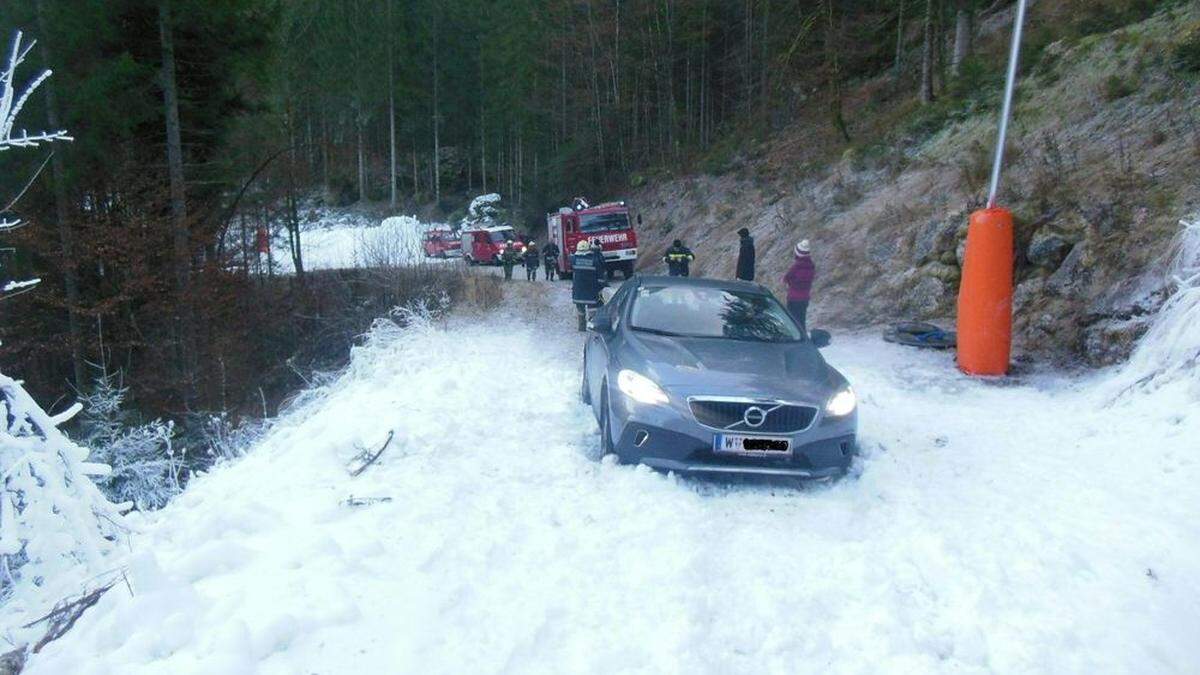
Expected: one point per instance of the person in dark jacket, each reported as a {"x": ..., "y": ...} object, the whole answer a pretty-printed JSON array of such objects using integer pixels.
[
  {"x": 799, "y": 281},
  {"x": 532, "y": 260},
  {"x": 745, "y": 261},
  {"x": 508, "y": 259},
  {"x": 598, "y": 255},
  {"x": 587, "y": 281},
  {"x": 550, "y": 255},
  {"x": 679, "y": 259}
]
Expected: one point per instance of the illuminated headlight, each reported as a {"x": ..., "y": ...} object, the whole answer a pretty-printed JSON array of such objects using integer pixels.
[
  {"x": 842, "y": 403},
  {"x": 640, "y": 388}
]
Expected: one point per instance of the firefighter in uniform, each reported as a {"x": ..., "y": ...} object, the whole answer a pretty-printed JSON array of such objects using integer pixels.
[
  {"x": 508, "y": 259},
  {"x": 678, "y": 259},
  {"x": 531, "y": 261},
  {"x": 550, "y": 260},
  {"x": 586, "y": 281}
]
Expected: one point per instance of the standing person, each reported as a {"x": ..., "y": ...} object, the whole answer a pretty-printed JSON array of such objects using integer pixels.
[
  {"x": 679, "y": 259},
  {"x": 598, "y": 256},
  {"x": 550, "y": 254},
  {"x": 532, "y": 260},
  {"x": 508, "y": 258},
  {"x": 799, "y": 281},
  {"x": 586, "y": 282},
  {"x": 745, "y": 261}
]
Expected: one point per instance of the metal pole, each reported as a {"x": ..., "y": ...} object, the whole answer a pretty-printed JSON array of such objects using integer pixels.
[{"x": 1013, "y": 59}]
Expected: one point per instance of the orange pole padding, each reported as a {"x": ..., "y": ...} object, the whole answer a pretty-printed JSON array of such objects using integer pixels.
[{"x": 985, "y": 296}]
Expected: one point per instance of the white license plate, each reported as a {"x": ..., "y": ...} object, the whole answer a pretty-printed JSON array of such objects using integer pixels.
[{"x": 760, "y": 446}]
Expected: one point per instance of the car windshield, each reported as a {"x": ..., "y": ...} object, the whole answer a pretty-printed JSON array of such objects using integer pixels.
[
  {"x": 695, "y": 311},
  {"x": 499, "y": 236},
  {"x": 603, "y": 222}
]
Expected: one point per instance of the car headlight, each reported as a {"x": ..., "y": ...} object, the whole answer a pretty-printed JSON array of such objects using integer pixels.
[
  {"x": 842, "y": 403},
  {"x": 640, "y": 388}
]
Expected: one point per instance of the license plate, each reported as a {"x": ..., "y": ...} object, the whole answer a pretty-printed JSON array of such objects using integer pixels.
[{"x": 751, "y": 445}]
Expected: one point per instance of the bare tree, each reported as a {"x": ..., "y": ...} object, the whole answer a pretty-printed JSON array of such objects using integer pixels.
[
  {"x": 964, "y": 34},
  {"x": 927, "y": 54},
  {"x": 12, "y": 101}
]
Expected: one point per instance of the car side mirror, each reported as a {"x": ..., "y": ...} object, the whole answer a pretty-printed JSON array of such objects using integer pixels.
[
  {"x": 820, "y": 338},
  {"x": 601, "y": 322}
]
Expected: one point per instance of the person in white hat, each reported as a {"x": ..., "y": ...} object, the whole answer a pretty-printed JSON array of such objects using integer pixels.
[{"x": 799, "y": 281}]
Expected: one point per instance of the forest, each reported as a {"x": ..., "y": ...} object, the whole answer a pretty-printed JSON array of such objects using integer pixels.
[{"x": 196, "y": 123}]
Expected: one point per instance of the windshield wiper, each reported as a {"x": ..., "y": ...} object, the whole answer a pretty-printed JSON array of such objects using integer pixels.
[{"x": 658, "y": 331}]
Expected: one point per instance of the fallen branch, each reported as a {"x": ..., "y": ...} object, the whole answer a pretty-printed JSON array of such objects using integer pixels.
[
  {"x": 368, "y": 459},
  {"x": 64, "y": 615}
]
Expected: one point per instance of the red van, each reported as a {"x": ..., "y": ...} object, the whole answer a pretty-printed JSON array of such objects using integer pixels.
[
  {"x": 482, "y": 246},
  {"x": 441, "y": 243}
]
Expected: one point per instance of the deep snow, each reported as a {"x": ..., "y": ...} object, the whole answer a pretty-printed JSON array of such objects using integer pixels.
[
  {"x": 350, "y": 242},
  {"x": 1038, "y": 525}
]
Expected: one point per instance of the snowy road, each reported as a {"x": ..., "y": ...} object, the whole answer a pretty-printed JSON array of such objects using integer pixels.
[{"x": 1024, "y": 528}]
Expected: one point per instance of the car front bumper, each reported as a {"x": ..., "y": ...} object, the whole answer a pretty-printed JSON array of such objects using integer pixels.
[{"x": 669, "y": 438}]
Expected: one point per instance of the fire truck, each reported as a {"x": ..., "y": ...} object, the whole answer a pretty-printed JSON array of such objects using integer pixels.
[
  {"x": 441, "y": 242},
  {"x": 482, "y": 246},
  {"x": 608, "y": 222}
]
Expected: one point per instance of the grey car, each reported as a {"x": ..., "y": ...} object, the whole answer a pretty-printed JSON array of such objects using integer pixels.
[{"x": 708, "y": 376}]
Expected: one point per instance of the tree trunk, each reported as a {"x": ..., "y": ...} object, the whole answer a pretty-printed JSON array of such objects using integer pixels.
[
  {"x": 437, "y": 149},
  {"x": 66, "y": 238},
  {"x": 178, "y": 197},
  {"x": 391, "y": 110},
  {"x": 359, "y": 123},
  {"x": 927, "y": 56},
  {"x": 964, "y": 36},
  {"x": 899, "y": 62},
  {"x": 178, "y": 191}
]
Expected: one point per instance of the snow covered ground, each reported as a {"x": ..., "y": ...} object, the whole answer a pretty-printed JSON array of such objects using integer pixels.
[
  {"x": 1046, "y": 525},
  {"x": 347, "y": 242}
]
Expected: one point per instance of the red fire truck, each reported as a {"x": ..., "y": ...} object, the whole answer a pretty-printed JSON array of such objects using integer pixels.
[
  {"x": 482, "y": 246},
  {"x": 441, "y": 242},
  {"x": 608, "y": 222}
]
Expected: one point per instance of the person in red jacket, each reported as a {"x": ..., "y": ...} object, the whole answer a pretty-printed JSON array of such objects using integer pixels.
[{"x": 799, "y": 281}]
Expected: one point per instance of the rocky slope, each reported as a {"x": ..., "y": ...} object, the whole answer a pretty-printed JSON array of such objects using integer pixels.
[{"x": 1102, "y": 166}]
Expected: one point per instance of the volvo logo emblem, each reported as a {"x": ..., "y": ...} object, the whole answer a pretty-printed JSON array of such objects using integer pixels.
[{"x": 754, "y": 416}]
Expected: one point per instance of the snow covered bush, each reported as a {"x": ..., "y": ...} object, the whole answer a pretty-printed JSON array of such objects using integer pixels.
[
  {"x": 52, "y": 516},
  {"x": 146, "y": 468}
]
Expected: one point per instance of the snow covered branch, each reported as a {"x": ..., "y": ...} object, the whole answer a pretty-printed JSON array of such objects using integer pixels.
[{"x": 12, "y": 102}]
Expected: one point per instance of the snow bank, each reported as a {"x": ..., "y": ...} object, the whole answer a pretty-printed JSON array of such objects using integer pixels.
[
  {"x": 1007, "y": 528},
  {"x": 1170, "y": 350},
  {"x": 395, "y": 241}
]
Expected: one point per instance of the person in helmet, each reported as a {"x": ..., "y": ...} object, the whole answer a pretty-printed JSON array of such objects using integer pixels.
[
  {"x": 679, "y": 259},
  {"x": 532, "y": 260},
  {"x": 508, "y": 259},
  {"x": 598, "y": 255},
  {"x": 587, "y": 280}
]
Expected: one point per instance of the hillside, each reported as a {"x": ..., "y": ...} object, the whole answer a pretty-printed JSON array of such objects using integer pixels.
[{"x": 1101, "y": 169}]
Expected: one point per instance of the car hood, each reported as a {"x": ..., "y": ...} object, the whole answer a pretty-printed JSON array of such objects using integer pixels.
[{"x": 734, "y": 367}]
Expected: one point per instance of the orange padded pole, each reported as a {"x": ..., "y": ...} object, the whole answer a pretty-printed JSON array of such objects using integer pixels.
[{"x": 985, "y": 296}]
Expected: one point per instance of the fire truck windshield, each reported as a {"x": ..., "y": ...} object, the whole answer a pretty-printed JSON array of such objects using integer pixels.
[
  {"x": 604, "y": 222},
  {"x": 498, "y": 236}
]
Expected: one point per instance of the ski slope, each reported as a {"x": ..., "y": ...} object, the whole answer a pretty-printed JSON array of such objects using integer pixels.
[{"x": 1042, "y": 525}]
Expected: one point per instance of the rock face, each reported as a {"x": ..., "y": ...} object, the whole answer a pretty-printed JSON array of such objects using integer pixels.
[{"x": 1097, "y": 190}]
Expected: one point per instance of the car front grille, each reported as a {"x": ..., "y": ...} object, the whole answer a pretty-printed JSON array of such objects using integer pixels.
[{"x": 781, "y": 418}]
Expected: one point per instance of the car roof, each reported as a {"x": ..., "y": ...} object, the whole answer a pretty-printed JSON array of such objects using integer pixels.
[{"x": 701, "y": 282}]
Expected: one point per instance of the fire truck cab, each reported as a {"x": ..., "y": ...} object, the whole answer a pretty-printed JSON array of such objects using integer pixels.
[
  {"x": 441, "y": 243},
  {"x": 608, "y": 222},
  {"x": 482, "y": 246}
]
